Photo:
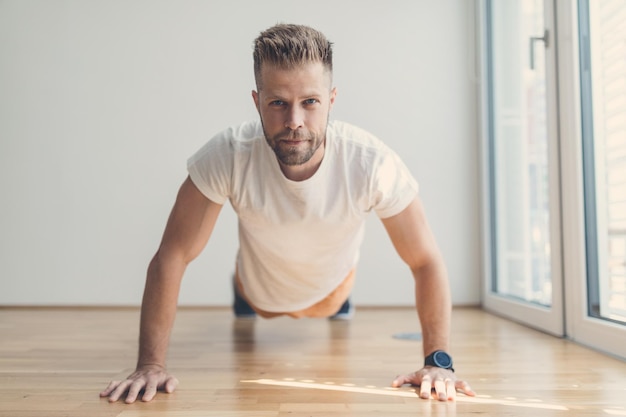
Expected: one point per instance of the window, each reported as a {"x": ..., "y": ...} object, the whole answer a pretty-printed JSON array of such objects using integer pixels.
[
  {"x": 603, "y": 81},
  {"x": 522, "y": 178}
]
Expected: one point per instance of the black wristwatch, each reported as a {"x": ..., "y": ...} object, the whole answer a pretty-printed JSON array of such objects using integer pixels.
[{"x": 440, "y": 359}]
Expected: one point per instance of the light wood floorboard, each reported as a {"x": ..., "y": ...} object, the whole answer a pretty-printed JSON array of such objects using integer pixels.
[{"x": 54, "y": 362}]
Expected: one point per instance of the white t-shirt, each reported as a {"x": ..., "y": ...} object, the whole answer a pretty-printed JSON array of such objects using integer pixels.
[{"x": 298, "y": 240}]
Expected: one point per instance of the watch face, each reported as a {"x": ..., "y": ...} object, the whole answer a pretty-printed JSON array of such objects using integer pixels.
[{"x": 442, "y": 359}]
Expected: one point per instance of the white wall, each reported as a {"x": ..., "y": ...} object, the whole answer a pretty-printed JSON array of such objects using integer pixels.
[{"x": 101, "y": 103}]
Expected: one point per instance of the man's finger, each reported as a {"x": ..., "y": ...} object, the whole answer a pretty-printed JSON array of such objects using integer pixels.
[
  {"x": 399, "y": 381},
  {"x": 150, "y": 392},
  {"x": 109, "y": 389},
  {"x": 171, "y": 384},
  {"x": 425, "y": 387},
  {"x": 133, "y": 392},
  {"x": 404, "y": 379},
  {"x": 119, "y": 390},
  {"x": 440, "y": 390},
  {"x": 450, "y": 389},
  {"x": 465, "y": 388}
]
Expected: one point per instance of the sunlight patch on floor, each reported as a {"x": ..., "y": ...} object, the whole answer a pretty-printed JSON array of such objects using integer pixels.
[{"x": 399, "y": 392}]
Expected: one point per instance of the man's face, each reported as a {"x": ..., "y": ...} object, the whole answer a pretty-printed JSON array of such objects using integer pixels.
[{"x": 294, "y": 106}]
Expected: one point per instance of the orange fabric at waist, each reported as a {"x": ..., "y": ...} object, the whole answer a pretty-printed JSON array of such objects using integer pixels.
[{"x": 325, "y": 308}]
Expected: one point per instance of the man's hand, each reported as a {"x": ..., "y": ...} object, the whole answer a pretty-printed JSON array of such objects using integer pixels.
[
  {"x": 442, "y": 381},
  {"x": 148, "y": 379}
]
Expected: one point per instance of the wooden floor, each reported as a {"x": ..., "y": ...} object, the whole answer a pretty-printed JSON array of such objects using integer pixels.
[{"x": 54, "y": 362}]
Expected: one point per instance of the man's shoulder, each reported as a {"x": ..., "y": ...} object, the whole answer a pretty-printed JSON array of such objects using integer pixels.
[
  {"x": 343, "y": 128},
  {"x": 243, "y": 132},
  {"x": 236, "y": 139},
  {"x": 347, "y": 134}
]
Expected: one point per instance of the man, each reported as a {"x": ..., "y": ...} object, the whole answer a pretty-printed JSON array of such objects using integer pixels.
[{"x": 302, "y": 187}]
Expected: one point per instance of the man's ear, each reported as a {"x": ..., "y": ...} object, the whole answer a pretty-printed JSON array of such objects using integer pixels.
[
  {"x": 333, "y": 95},
  {"x": 255, "y": 97}
]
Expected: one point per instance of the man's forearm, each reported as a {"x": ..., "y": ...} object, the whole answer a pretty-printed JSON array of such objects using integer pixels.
[
  {"x": 432, "y": 296},
  {"x": 158, "y": 309}
]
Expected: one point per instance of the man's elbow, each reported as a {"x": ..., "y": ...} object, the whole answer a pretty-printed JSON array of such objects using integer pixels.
[
  {"x": 428, "y": 267},
  {"x": 167, "y": 260}
]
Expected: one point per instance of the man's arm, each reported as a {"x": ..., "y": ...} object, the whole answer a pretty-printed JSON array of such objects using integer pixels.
[
  {"x": 188, "y": 229},
  {"x": 415, "y": 243}
]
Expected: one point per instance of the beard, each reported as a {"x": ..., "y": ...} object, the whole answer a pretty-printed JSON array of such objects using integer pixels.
[{"x": 293, "y": 154}]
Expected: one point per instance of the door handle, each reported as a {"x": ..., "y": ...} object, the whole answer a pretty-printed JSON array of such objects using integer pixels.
[{"x": 534, "y": 39}]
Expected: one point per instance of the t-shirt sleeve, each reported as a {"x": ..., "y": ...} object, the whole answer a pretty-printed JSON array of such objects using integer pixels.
[
  {"x": 210, "y": 168},
  {"x": 394, "y": 186}
]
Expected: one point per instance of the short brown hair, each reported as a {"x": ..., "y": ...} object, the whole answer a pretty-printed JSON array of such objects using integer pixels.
[{"x": 288, "y": 46}]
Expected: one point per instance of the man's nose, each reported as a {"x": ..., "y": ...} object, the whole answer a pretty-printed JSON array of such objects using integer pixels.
[{"x": 295, "y": 118}]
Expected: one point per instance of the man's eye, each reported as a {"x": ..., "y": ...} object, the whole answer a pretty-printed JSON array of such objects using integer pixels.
[
  {"x": 310, "y": 101},
  {"x": 277, "y": 103}
]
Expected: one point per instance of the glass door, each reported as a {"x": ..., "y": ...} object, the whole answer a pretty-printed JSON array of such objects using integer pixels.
[
  {"x": 604, "y": 142},
  {"x": 595, "y": 216},
  {"x": 524, "y": 280}
]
